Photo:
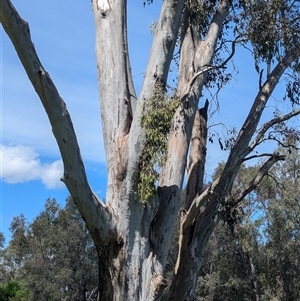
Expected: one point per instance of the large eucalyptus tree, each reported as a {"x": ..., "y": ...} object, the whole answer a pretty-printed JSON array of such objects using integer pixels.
[{"x": 152, "y": 138}]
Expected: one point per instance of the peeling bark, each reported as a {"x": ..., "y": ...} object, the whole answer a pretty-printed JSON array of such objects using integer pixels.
[
  {"x": 133, "y": 238},
  {"x": 139, "y": 268},
  {"x": 197, "y": 156},
  {"x": 199, "y": 224}
]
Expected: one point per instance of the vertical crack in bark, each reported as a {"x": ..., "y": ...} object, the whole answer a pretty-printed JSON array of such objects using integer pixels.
[{"x": 117, "y": 99}]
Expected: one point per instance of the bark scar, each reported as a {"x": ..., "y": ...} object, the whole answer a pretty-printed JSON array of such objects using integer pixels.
[
  {"x": 104, "y": 6},
  {"x": 158, "y": 284}
]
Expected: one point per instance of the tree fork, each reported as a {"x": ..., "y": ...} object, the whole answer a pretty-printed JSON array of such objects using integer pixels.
[{"x": 171, "y": 177}]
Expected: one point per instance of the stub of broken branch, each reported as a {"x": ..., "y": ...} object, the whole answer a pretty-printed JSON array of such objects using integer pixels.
[{"x": 158, "y": 284}]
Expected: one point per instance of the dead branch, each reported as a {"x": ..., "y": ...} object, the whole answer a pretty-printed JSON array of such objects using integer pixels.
[
  {"x": 269, "y": 124},
  {"x": 259, "y": 176}
]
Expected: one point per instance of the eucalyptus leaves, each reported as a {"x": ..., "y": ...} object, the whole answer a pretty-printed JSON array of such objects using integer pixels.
[{"x": 156, "y": 120}]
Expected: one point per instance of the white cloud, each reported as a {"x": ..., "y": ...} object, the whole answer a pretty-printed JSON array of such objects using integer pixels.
[
  {"x": 21, "y": 164},
  {"x": 23, "y": 101}
]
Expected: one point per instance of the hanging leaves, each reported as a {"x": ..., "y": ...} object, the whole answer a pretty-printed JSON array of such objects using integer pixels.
[{"x": 156, "y": 120}]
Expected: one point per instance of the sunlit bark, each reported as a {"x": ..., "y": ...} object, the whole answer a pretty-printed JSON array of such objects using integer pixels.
[{"x": 133, "y": 238}]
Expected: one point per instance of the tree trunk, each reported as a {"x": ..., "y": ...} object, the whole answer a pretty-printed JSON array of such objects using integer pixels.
[
  {"x": 195, "y": 173},
  {"x": 132, "y": 236},
  {"x": 132, "y": 262},
  {"x": 192, "y": 244},
  {"x": 254, "y": 277}
]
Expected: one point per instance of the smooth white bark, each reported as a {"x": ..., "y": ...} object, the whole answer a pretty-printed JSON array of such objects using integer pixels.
[
  {"x": 132, "y": 238},
  {"x": 92, "y": 209}
]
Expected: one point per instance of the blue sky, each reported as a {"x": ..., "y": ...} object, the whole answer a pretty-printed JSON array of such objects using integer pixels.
[{"x": 63, "y": 35}]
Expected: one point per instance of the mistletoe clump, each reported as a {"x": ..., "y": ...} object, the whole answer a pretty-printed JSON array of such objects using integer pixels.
[{"x": 156, "y": 121}]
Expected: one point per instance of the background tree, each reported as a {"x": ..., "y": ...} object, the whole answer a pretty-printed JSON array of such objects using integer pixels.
[
  {"x": 257, "y": 259},
  {"x": 13, "y": 291},
  {"x": 280, "y": 194},
  {"x": 234, "y": 256},
  {"x": 133, "y": 230},
  {"x": 54, "y": 256}
]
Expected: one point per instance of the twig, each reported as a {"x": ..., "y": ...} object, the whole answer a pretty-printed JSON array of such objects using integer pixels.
[
  {"x": 260, "y": 78},
  {"x": 258, "y": 156},
  {"x": 259, "y": 176}
]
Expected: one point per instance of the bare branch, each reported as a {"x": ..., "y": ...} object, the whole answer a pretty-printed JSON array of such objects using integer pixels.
[
  {"x": 260, "y": 78},
  {"x": 258, "y": 156},
  {"x": 259, "y": 176},
  {"x": 91, "y": 208},
  {"x": 269, "y": 124},
  {"x": 241, "y": 147},
  {"x": 285, "y": 145}
]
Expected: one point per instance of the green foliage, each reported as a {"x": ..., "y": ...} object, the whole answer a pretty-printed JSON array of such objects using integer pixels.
[
  {"x": 13, "y": 291},
  {"x": 158, "y": 113},
  {"x": 200, "y": 14},
  {"x": 54, "y": 256},
  {"x": 293, "y": 89},
  {"x": 259, "y": 260},
  {"x": 271, "y": 26},
  {"x": 224, "y": 275}
]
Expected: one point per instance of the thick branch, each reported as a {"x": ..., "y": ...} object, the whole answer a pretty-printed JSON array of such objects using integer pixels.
[
  {"x": 92, "y": 210},
  {"x": 241, "y": 149},
  {"x": 197, "y": 156},
  {"x": 258, "y": 156},
  {"x": 205, "y": 69},
  {"x": 117, "y": 99},
  {"x": 161, "y": 55},
  {"x": 197, "y": 203},
  {"x": 171, "y": 177}
]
